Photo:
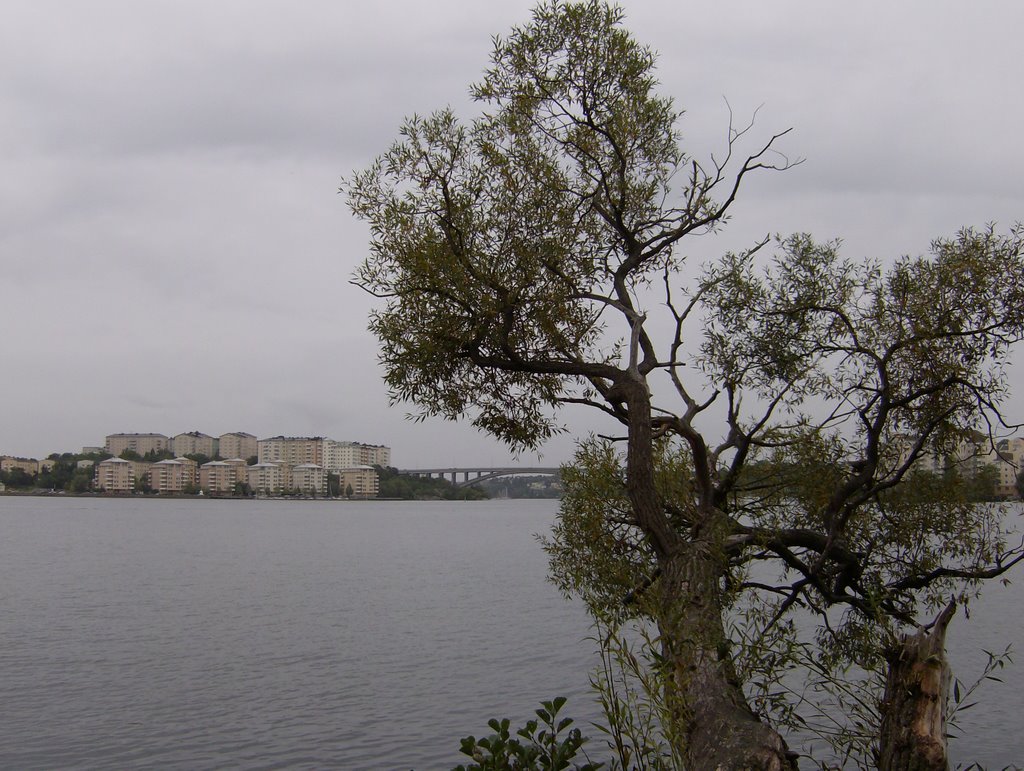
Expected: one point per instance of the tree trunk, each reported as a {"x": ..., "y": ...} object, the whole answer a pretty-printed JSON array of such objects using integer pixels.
[
  {"x": 913, "y": 733},
  {"x": 714, "y": 725}
]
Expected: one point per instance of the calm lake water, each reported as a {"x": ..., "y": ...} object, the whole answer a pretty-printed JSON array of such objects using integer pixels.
[{"x": 267, "y": 634}]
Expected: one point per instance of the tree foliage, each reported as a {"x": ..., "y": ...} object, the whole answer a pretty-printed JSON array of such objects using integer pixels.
[
  {"x": 500, "y": 245},
  {"x": 17, "y": 478},
  {"x": 64, "y": 474},
  {"x": 776, "y": 405},
  {"x": 548, "y": 742}
]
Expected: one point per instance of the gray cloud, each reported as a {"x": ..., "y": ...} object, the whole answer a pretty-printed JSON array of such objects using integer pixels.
[{"x": 171, "y": 172}]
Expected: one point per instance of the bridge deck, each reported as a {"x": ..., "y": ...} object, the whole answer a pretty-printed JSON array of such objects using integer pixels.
[{"x": 481, "y": 473}]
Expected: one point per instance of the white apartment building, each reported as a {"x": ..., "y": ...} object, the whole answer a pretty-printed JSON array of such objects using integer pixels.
[
  {"x": 115, "y": 475},
  {"x": 338, "y": 455},
  {"x": 329, "y": 453},
  {"x": 28, "y": 465},
  {"x": 237, "y": 444},
  {"x": 1010, "y": 465},
  {"x": 342, "y": 455},
  {"x": 221, "y": 476},
  {"x": 363, "y": 480},
  {"x": 284, "y": 462},
  {"x": 293, "y": 450},
  {"x": 173, "y": 476},
  {"x": 309, "y": 478},
  {"x": 311, "y": 459},
  {"x": 193, "y": 443},
  {"x": 140, "y": 443},
  {"x": 268, "y": 478},
  {"x": 375, "y": 455},
  {"x": 974, "y": 454}
]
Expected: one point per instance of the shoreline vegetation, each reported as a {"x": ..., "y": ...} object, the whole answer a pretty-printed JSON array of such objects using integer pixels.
[{"x": 66, "y": 477}]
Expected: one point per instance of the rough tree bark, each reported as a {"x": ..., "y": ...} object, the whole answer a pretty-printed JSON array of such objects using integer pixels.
[
  {"x": 712, "y": 721},
  {"x": 913, "y": 732},
  {"x": 722, "y": 732}
]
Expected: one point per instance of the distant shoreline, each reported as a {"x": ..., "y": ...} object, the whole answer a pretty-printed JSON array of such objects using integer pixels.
[{"x": 134, "y": 497}]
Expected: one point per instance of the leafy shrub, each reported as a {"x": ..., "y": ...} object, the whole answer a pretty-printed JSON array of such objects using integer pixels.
[{"x": 545, "y": 744}]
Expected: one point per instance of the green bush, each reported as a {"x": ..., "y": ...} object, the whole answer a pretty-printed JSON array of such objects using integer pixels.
[{"x": 540, "y": 745}]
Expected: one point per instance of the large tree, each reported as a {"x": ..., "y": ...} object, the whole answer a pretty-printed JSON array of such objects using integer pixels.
[{"x": 774, "y": 404}]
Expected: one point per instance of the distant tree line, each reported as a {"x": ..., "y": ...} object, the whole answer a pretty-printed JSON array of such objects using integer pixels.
[
  {"x": 155, "y": 456},
  {"x": 65, "y": 474},
  {"x": 975, "y": 486},
  {"x": 540, "y": 486},
  {"x": 413, "y": 488}
]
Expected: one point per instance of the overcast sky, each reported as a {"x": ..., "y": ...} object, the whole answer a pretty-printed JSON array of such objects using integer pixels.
[{"x": 175, "y": 255}]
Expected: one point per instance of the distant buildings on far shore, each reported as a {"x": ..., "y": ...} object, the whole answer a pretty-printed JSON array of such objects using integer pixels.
[
  {"x": 234, "y": 445},
  {"x": 238, "y": 464}
]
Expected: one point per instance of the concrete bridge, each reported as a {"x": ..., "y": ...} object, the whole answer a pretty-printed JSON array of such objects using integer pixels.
[{"x": 472, "y": 475}]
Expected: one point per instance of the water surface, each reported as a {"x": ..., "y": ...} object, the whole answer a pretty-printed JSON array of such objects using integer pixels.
[{"x": 269, "y": 634}]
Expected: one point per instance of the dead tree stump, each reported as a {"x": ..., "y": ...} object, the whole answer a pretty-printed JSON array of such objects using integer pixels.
[{"x": 913, "y": 731}]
